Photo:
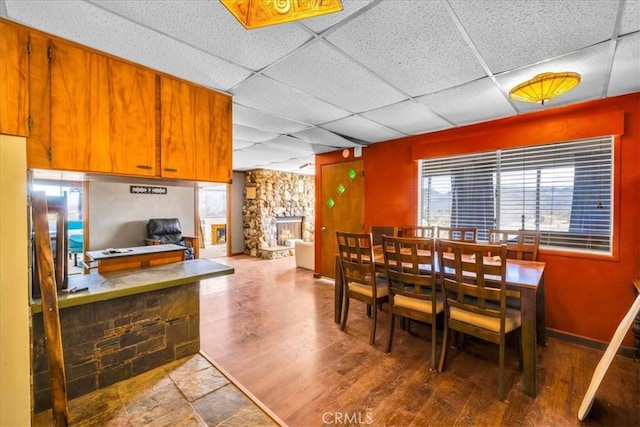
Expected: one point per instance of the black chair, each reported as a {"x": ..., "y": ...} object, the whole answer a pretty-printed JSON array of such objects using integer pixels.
[{"x": 162, "y": 231}]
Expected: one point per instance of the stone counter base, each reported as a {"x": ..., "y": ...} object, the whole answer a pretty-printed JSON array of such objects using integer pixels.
[{"x": 108, "y": 341}]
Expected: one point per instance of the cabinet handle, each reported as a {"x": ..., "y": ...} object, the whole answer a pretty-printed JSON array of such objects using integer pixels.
[
  {"x": 143, "y": 167},
  {"x": 170, "y": 170}
]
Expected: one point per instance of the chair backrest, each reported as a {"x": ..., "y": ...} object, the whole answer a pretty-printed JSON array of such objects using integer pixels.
[
  {"x": 417, "y": 231},
  {"x": 377, "y": 231},
  {"x": 520, "y": 244},
  {"x": 410, "y": 265},
  {"x": 462, "y": 234},
  {"x": 356, "y": 258},
  {"x": 473, "y": 282},
  {"x": 166, "y": 230}
]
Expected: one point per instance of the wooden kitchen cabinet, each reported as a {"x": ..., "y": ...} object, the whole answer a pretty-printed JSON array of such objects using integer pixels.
[
  {"x": 103, "y": 113},
  {"x": 195, "y": 132},
  {"x": 14, "y": 72},
  {"x": 82, "y": 110}
]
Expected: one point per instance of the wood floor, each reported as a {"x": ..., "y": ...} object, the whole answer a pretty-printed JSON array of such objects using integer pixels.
[{"x": 270, "y": 326}]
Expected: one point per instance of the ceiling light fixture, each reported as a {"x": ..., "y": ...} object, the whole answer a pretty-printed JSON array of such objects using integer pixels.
[
  {"x": 544, "y": 87},
  {"x": 260, "y": 13}
]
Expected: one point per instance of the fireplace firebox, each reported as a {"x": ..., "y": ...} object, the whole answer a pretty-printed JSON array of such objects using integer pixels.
[{"x": 288, "y": 228}]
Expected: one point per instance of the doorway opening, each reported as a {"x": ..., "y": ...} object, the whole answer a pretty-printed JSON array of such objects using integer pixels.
[{"x": 213, "y": 208}]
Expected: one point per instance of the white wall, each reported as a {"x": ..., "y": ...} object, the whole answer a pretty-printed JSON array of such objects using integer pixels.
[
  {"x": 15, "y": 359},
  {"x": 118, "y": 218},
  {"x": 237, "y": 202}
]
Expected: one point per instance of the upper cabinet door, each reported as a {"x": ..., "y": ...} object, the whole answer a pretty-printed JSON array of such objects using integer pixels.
[
  {"x": 39, "y": 141},
  {"x": 102, "y": 113},
  {"x": 213, "y": 152},
  {"x": 195, "y": 135},
  {"x": 14, "y": 72},
  {"x": 178, "y": 111}
]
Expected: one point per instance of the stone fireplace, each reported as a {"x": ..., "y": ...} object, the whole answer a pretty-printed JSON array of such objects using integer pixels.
[{"x": 278, "y": 206}]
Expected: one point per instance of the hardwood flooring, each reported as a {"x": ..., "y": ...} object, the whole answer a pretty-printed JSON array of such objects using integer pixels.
[{"x": 270, "y": 326}]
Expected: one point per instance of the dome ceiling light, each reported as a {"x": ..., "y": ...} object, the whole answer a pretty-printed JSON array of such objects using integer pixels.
[{"x": 544, "y": 87}]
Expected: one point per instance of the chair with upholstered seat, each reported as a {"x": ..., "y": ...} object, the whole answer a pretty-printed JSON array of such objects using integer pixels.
[
  {"x": 359, "y": 277},
  {"x": 462, "y": 234},
  {"x": 168, "y": 230},
  {"x": 521, "y": 245},
  {"x": 410, "y": 270},
  {"x": 476, "y": 296},
  {"x": 417, "y": 231}
]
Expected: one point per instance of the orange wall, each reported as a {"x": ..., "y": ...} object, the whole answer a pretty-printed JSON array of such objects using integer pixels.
[{"x": 584, "y": 296}]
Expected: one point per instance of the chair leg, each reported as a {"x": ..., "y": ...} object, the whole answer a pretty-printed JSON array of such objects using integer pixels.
[
  {"x": 393, "y": 321},
  {"x": 368, "y": 310},
  {"x": 374, "y": 319},
  {"x": 345, "y": 312},
  {"x": 501, "y": 373},
  {"x": 433, "y": 345},
  {"x": 443, "y": 351},
  {"x": 520, "y": 350}
]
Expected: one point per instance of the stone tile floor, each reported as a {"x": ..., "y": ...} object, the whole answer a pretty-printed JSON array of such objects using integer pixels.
[{"x": 187, "y": 392}]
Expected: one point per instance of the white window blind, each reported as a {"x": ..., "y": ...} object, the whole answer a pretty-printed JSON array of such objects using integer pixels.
[{"x": 562, "y": 190}]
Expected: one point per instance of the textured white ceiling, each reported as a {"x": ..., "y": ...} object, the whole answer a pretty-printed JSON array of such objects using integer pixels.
[{"x": 379, "y": 70}]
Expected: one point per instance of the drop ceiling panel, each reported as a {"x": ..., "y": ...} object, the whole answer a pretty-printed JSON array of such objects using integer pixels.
[
  {"x": 258, "y": 120},
  {"x": 591, "y": 64},
  {"x": 293, "y": 166},
  {"x": 297, "y": 146},
  {"x": 250, "y": 134},
  {"x": 631, "y": 17},
  {"x": 415, "y": 46},
  {"x": 256, "y": 156},
  {"x": 320, "y": 70},
  {"x": 266, "y": 94},
  {"x": 324, "y": 137},
  {"x": 201, "y": 22},
  {"x": 625, "y": 74},
  {"x": 239, "y": 144},
  {"x": 362, "y": 129},
  {"x": 474, "y": 102},
  {"x": 323, "y": 22},
  {"x": 408, "y": 117},
  {"x": 512, "y": 34}
]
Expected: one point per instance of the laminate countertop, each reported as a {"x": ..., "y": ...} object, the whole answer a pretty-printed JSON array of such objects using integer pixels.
[{"x": 116, "y": 284}]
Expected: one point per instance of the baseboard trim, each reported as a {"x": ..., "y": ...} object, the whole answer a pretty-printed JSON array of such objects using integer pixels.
[{"x": 588, "y": 342}]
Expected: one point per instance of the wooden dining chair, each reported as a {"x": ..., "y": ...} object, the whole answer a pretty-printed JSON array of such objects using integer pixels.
[
  {"x": 377, "y": 231},
  {"x": 521, "y": 245},
  {"x": 410, "y": 270},
  {"x": 476, "y": 296},
  {"x": 462, "y": 234},
  {"x": 359, "y": 276},
  {"x": 417, "y": 231}
]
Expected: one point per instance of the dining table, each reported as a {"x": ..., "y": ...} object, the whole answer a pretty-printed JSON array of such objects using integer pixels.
[{"x": 521, "y": 275}]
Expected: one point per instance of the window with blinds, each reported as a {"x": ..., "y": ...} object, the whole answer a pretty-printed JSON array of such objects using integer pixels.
[{"x": 563, "y": 190}]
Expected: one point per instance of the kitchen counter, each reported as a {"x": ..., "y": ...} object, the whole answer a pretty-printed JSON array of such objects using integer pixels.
[{"x": 115, "y": 284}]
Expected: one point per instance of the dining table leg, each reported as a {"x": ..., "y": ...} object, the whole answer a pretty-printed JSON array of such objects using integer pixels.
[
  {"x": 529, "y": 340},
  {"x": 540, "y": 327}
]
